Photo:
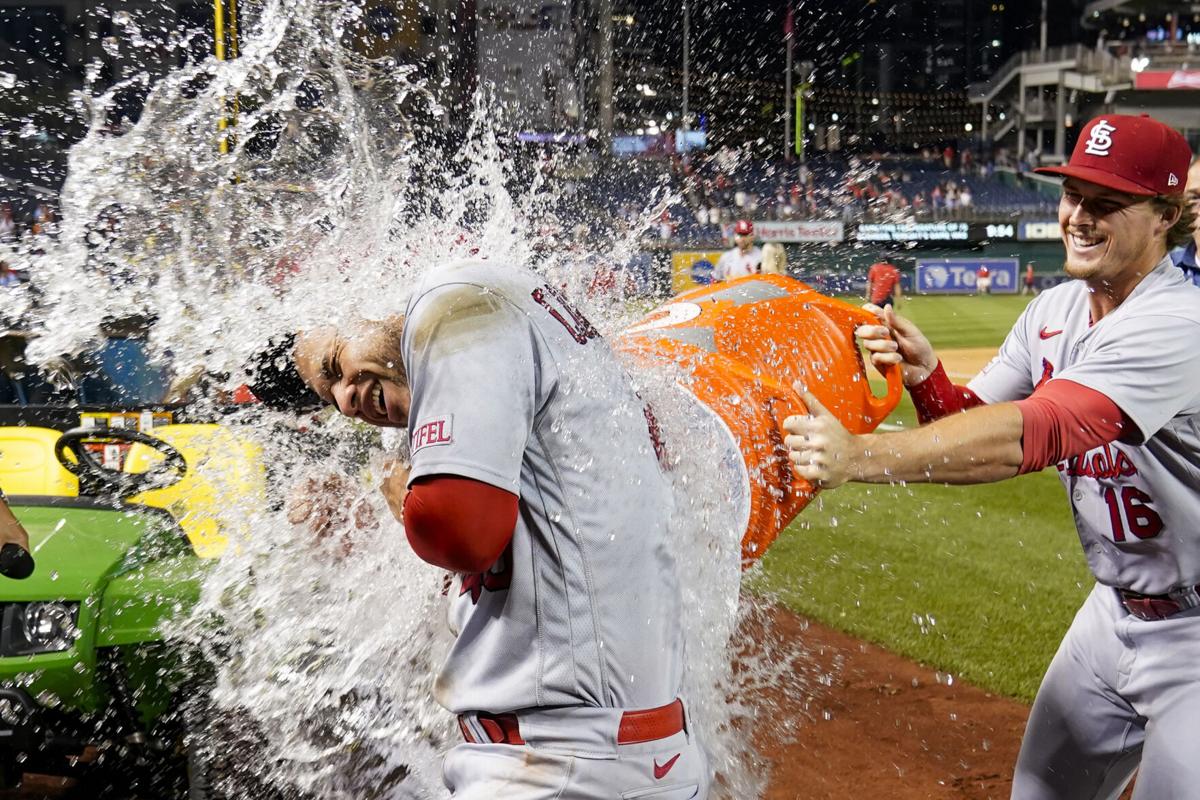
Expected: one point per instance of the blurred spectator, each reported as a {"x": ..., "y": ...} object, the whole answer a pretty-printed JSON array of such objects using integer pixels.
[
  {"x": 774, "y": 259},
  {"x": 743, "y": 258},
  {"x": 1185, "y": 257},
  {"x": 8, "y": 227},
  {"x": 8, "y": 277},
  {"x": 1027, "y": 284},
  {"x": 666, "y": 227},
  {"x": 883, "y": 284},
  {"x": 43, "y": 219}
]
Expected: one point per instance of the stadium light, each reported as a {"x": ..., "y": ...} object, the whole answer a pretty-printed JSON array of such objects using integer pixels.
[
  {"x": 968, "y": 127},
  {"x": 1139, "y": 64}
]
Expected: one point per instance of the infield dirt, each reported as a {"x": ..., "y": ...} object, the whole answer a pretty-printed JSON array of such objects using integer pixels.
[{"x": 888, "y": 727}]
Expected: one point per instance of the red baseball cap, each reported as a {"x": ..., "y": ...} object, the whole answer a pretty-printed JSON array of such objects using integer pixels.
[
  {"x": 1136, "y": 155},
  {"x": 743, "y": 227}
]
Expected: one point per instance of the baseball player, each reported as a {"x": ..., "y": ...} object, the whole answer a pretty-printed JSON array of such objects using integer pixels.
[
  {"x": 535, "y": 480},
  {"x": 1100, "y": 377},
  {"x": 1184, "y": 256},
  {"x": 743, "y": 258},
  {"x": 883, "y": 284},
  {"x": 983, "y": 279}
]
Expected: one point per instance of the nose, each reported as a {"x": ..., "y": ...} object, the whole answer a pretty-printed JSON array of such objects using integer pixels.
[
  {"x": 346, "y": 399},
  {"x": 1080, "y": 216}
]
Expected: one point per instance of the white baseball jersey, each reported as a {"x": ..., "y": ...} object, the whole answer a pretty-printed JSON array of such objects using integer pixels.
[
  {"x": 512, "y": 386},
  {"x": 1136, "y": 506},
  {"x": 736, "y": 264}
]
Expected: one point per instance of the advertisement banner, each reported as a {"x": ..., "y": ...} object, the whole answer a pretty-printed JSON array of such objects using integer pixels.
[
  {"x": 913, "y": 232},
  {"x": 1176, "y": 79},
  {"x": 958, "y": 275},
  {"x": 692, "y": 269},
  {"x": 1040, "y": 231},
  {"x": 819, "y": 230}
]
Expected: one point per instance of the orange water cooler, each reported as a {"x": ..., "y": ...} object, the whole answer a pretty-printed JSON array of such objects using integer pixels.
[{"x": 744, "y": 343}]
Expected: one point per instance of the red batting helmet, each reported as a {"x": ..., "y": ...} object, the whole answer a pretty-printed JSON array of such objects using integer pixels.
[{"x": 743, "y": 227}]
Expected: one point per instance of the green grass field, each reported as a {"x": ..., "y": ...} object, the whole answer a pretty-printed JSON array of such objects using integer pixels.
[
  {"x": 951, "y": 321},
  {"x": 979, "y": 582}
]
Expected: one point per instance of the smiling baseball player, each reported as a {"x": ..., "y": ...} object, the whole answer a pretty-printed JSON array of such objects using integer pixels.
[
  {"x": 1100, "y": 377},
  {"x": 535, "y": 479}
]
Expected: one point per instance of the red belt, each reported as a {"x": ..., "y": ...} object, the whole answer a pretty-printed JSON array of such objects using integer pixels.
[
  {"x": 1159, "y": 606},
  {"x": 636, "y": 726}
]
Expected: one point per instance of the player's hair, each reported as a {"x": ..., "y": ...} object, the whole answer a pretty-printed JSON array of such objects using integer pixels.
[
  {"x": 276, "y": 382},
  {"x": 1179, "y": 234},
  {"x": 774, "y": 259}
]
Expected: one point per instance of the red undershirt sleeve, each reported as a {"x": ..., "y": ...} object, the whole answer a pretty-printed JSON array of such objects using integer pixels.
[
  {"x": 459, "y": 524},
  {"x": 936, "y": 397},
  {"x": 1063, "y": 419}
]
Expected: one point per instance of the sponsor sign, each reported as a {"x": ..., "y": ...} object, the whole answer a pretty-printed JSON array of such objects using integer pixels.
[
  {"x": 796, "y": 231},
  {"x": 957, "y": 275},
  {"x": 913, "y": 232},
  {"x": 1173, "y": 79},
  {"x": 692, "y": 269},
  {"x": 1039, "y": 231}
]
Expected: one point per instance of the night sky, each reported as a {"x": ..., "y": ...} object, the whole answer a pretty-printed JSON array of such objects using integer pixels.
[{"x": 745, "y": 38}]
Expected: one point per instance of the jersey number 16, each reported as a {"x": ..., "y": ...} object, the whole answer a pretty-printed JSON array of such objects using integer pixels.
[{"x": 1138, "y": 518}]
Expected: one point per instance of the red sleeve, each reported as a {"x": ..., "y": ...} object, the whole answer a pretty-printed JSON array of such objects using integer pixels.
[
  {"x": 1063, "y": 419},
  {"x": 936, "y": 397},
  {"x": 459, "y": 524}
]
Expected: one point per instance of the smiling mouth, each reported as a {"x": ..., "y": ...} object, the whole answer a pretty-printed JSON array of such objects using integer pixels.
[
  {"x": 378, "y": 406},
  {"x": 1086, "y": 241}
]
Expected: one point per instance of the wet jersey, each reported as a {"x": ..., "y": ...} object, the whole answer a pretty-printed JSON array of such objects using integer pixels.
[
  {"x": 736, "y": 264},
  {"x": 512, "y": 386},
  {"x": 1136, "y": 506}
]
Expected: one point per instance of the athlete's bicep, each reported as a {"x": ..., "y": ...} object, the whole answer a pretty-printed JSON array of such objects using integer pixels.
[
  {"x": 476, "y": 376},
  {"x": 1063, "y": 419},
  {"x": 1148, "y": 366},
  {"x": 459, "y": 524}
]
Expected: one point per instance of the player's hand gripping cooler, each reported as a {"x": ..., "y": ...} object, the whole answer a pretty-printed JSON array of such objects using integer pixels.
[{"x": 744, "y": 343}]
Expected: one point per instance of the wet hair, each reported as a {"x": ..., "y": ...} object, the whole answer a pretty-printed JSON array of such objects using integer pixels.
[
  {"x": 276, "y": 382},
  {"x": 1179, "y": 234}
]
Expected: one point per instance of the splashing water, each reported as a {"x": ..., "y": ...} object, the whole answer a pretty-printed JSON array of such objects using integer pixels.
[{"x": 326, "y": 207}]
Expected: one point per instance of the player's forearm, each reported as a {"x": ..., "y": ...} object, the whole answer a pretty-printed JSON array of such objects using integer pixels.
[{"x": 982, "y": 445}]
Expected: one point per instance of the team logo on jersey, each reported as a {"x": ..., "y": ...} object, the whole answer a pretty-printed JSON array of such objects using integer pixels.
[
  {"x": 1100, "y": 139},
  {"x": 496, "y": 579},
  {"x": 439, "y": 430},
  {"x": 1106, "y": 461}
]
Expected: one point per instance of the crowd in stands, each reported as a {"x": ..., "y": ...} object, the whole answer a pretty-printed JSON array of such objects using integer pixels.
[
  {"x": 720, "y": 188},
  {"x": 14, "y": 229}
]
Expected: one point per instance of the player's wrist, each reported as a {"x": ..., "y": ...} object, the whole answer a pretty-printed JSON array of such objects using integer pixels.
[
  {"x": 914, "y": 375},
  {"x": 863, "y": 464}
]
